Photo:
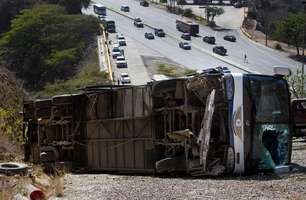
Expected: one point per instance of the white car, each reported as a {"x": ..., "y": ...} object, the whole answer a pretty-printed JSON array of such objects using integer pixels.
[
  {"x": 121, "y": 40},
  {"x": 116, "y": 51},
  {"x": 125, "y": 78},
  {"x": 121, "y": 62}
]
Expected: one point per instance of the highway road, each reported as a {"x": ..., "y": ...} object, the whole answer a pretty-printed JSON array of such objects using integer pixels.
[{"x": 260, "y": 58}]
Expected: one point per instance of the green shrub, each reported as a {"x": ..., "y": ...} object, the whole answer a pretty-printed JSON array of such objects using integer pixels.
[
  {"x": 46, "y": 44},
  {"x": 188, "y": 12},
  {"x": 278, "y": 47}
]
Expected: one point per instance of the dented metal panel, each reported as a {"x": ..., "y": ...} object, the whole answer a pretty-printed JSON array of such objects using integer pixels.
[{"x": 195, "y": 124}]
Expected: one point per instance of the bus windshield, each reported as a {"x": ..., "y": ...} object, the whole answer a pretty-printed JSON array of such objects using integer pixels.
[
  {"x": 270, "y": 97},
  {"x": 270, "y": 111}
]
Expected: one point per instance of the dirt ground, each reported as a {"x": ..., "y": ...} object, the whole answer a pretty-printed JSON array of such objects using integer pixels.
[{"x": 108, "y": 186}]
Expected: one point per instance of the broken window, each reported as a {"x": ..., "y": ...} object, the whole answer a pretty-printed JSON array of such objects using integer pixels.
[{"x": 270, "y": 139}]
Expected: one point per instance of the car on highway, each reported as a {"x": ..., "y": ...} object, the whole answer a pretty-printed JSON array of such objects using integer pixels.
[
  {"x": 121, "y": 40},
  {"x": 138, "y": 22},
  {"x": 116, "y": 51},
  {"x": 149, "y": 36},
  {"x": 220, "y": 50},
  {"x": 159, "y": 32},
  {"x": 223, "y": 70},
  {"x": 121, "y": 62},
  {"x": 186, "y": 36},
  {"x": 125, "y": 8},
  {"x": 125, "y": 78},
  {"x": 209, "y": 39},
  {"x": 185, "y": 45},
  {"x": 237, "y": 5},
  {"x": 230, "y": 38},
  {"x": 144, "y": 3}
]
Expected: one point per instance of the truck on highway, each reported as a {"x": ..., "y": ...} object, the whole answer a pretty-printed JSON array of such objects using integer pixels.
[
  {"x": 187, "y": 27},
  {"x": 208, "y": 124},
  {"x": 99, "y": 9}
]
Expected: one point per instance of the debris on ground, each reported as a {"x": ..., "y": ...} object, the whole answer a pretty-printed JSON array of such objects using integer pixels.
[{"x": 261, "y": 186}]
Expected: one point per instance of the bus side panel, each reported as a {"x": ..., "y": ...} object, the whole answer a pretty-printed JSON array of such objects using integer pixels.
[{"x": 237, "y": 124}]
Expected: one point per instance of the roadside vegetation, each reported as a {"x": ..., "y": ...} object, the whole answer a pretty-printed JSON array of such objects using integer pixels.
[
  {"x": 9, "y": 9},
  {"x": 88, "y": 75},
  {"x": 174, "y": 71},
  {"x": 212, "y": 12},
  {"x": 46, "y": 48},
  {"x": 290, "y": 31},
  {"x": 297, "y": 85},
  {"x": 46, "y": 44},
  {"x": 11, "y": 124}
]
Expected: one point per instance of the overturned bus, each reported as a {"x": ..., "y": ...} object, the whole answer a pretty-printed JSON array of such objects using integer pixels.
[{"x": 209, "y": 124}]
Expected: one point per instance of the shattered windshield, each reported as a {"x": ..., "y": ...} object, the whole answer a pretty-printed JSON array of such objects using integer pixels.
[
  {"x": 270, "y": 102},
  {"x": 270, "y": 97}
]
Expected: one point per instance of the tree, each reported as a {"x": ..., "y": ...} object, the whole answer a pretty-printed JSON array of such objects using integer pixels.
[
  {"x": 46, "y": 44},
  {"x": 297, "y": 84},
  {"x": 212, "y": 12},
  {"x": 8, "y": 10},
  {"x": 290, "y": 30},
  {"x": 188, "y": 12},
  {"x": 74, "y": 6},
  {"x": 71, "y": 6}
]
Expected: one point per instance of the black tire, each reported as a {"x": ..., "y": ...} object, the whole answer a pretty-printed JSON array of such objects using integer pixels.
[{"x": 13, "y": 168}]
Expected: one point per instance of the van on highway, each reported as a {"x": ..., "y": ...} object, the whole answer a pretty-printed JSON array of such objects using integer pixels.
[{"x": 125, "y": 8}]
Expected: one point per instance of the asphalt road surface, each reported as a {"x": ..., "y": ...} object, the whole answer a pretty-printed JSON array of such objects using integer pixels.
[{"x": 260, "y": 59}]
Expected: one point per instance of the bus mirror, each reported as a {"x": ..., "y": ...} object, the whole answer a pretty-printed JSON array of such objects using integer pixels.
[{"x": 281, "y": 71}]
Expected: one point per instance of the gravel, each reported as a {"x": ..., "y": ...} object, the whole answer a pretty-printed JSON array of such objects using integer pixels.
[{"x": 109, "y": 186}]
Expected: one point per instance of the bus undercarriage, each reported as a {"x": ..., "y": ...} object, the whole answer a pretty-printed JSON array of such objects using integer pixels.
[{"x": 183, "y": 124}]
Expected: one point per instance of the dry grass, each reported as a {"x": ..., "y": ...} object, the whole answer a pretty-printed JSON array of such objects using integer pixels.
[
  {"x": 51, "y": 186},
  {"x": 59, "y": 186}
]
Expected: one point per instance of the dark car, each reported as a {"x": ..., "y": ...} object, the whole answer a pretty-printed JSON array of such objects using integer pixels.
[
  {"x": 209, "y": 39},
  {"x": 125, "y": 8},
  {"x": 144, "y": 3},
  {"x": 138, "y": 22},
  {"x": 237, "y": 5},
  {"x": 149, "y": 36},
  {"x": 185, "y": 45},
  {"x": 210, "y": 71},
  {"x": 159, "y": 32},
  {"x": 230, "y": 38},
  {"x": 223, "y": 70},
  {"x": 220, "y": 50},
  {"x": 186, "y": 36}
]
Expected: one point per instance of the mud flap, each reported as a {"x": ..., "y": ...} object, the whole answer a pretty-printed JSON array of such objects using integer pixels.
[{"x": 204, "y": 136}]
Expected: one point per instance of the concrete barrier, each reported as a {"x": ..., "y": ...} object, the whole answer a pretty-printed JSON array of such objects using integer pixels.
[
  {"x": 107, "y": 56},
  {"x": 245, "y": 32}
]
